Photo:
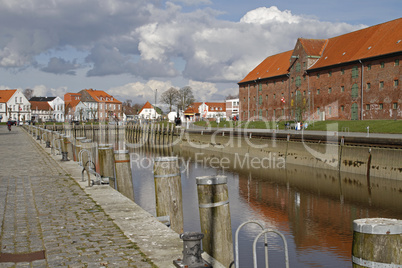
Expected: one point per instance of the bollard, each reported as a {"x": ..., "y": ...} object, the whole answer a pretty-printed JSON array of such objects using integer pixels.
[
  {"x": 106, "y": 166},
  {"x": 213, "y": 202},
  {"x": 69, "y": 147},
  {"x": 124, "y": 182},
  {"x": 191, "y": 252},
  {"x": 377, "y": 243},
  {"x": 48, "y": 138},
  {"x": 64, "y": 151},
  {"x": 78, "y": 147},
  {"x": 168, "y": 192}
]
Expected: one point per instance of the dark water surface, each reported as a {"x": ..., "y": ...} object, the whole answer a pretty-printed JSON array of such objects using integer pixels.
[{"x": 313, "y": 208}]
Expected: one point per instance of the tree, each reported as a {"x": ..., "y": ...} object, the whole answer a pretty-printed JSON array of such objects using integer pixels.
[
  {"x": 170, "y": 97},
  {"x": 186, "y": 97},
  {"x": 28, "y": 93},
  {"x": 230, "y": 96}
]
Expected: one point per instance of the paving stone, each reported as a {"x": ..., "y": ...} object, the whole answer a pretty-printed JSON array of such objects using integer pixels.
[{"x": 42, "y": 208}]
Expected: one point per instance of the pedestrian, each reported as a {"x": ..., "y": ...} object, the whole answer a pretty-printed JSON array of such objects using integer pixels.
[{"x": 9, "y": 123}]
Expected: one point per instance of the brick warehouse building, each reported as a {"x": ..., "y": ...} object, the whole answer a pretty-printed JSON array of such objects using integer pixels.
[{"x": 354, "y": 76}]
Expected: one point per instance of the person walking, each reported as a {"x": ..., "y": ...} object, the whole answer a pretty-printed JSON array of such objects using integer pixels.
[{"x": 9, "y": 124}]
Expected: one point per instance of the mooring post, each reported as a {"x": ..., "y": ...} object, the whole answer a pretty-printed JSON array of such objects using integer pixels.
[
  {"x": 377, "y": 243},
  {"x": 78, "y": 147},
  {"x": 124, "y": 182},
  {"x": 64, "y": 151},
  {"x": 191, "y": 251},
  {"x": 213, "y": 202},
  {"x": 168, "y": 191},
  {"x": 106, "y": 163}
]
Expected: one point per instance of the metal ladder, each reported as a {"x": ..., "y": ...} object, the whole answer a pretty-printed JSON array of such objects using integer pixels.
[{"x": 263, "y": 232}]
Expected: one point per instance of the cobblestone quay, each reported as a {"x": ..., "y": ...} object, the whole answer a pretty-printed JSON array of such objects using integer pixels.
[{"x": 47, "y": 220}]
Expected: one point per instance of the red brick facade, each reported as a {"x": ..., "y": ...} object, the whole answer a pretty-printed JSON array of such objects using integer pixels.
[{"x": 340, "y": 78}]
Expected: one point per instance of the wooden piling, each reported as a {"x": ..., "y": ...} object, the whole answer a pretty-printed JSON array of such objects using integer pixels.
[
  {"x": 124, "y": 180},
  {"x": 106, "y": 163},
  {"x": 168, "y": 191},
  {"x": 213, "y": 202},
  {"x": 377, "y": 242}
]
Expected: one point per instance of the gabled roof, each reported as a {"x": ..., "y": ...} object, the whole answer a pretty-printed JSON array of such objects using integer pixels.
[
  {"x": 6, "y": 94},
  {"x": 272, "y": 66},
  {"x": 72, "y": 103},
  {"x": 147, "y": 105},
  {"x": 40, "y": 106},
  {"x": 378, "y": 40},
  {"x": 101, "y": 96},
  {"x": 42, "y": 98},
  {"x": 313, "y": 47},
  {"x": 216, "y": 105},
  {"x": 375, "y": 41}
]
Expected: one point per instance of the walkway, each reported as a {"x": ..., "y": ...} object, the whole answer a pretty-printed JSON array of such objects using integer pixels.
[{"x": 45, "y": 212}]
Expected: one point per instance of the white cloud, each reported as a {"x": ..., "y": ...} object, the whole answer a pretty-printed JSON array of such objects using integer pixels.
[
  {"x": 265, "y": 15},
  {"x": 140, "y": 92},
  {"x": 143, "y": 39}
]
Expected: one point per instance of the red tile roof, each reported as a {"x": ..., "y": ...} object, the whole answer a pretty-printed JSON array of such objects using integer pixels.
[
  {"x": 214, "y": 105},
  {"x": 272, "y": 66},
  {"x": 147, "y": 105},
  {"x": 5, "y": 95},
  {"x": 102, "y": 96},
  {"x": 40, "y": 106},
  {"x": 370, "y": 42},
  {"x": 313, "y": 47}
]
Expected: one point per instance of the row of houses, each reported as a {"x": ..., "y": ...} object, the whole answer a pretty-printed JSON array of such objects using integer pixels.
[
  {"x": 97, "y": 105},
  {"x": 354, "y": 76},
  {"x": 88, "y": 104}
]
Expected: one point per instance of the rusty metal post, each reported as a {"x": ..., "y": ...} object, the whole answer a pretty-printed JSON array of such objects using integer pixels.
[{"x": 191, "y": 252}]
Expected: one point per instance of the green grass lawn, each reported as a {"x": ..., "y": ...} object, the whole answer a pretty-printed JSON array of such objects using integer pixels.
[{"x": 376, "y": 126}]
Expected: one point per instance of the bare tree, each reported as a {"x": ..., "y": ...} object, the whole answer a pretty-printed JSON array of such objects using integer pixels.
[
  {"x": 28, "y": 93},
  {"x": 186, "y": 97},
  {"x": 170, "y": 97},
  {"x": 230, "y": 96}
]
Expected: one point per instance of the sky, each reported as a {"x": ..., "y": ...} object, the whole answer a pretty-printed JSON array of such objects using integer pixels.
[{"x": 136, "y": 49}]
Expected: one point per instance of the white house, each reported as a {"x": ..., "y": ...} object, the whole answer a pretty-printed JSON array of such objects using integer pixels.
[
  {"x": 149, "y": 112},
  {"x": 14, "y": 105},
  {"x": 57, "y": 105},
  {"x": 212, "y": 110},
  {"x": 232, "y": 108}
]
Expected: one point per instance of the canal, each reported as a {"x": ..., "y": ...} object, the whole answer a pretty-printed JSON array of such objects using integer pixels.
[{"x": 313, "y": 208}]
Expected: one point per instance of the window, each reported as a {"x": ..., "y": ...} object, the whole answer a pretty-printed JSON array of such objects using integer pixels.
[
  {"x": 381, "y": 84},
  {"x": 396, "y": 83},
  {"x": 298, "y": 67},
  {"x": 260, "y": 87},
  {"x": 318, "y": 92},
  {"x": 329, "y": 110},
  {"x": 355, "y": 72},
  {"x": 318, "y": 111},
  {"x": 368, "y": 67},
  {"x": 304, "y": 65},
  {"x": 20, "y": 99},
  {"x": 260, "y": 100},
  {"x": 355, "y": 90},
  {"x": 342, "y": 108},
  {"x": 381, "y": 106},
  {"x": 342, "y": 71},
  {"x": 342, "y": 89},
  {"x": 382, "y": 64},
  {"x": 367, "y": 107},
  {"x": 368, "y": 86},
  {"x": 329, "y": 90},
  {"x": 16, "y": 99},
  {"x": 395, "y": 105},
  {"x": 396, "y": 63},
  {"x": 329, "y": 74},
  {"x": 318, "y": 75},
  {"x": 298, "y": 81},
  {"x": 274, "y": 96}
]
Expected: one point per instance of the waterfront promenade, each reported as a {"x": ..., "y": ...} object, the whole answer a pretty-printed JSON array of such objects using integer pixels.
[{"x": 45, "y": 212}]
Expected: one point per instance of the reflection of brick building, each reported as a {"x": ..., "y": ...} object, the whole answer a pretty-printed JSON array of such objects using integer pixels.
[{"x": 352, "y": 76}]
